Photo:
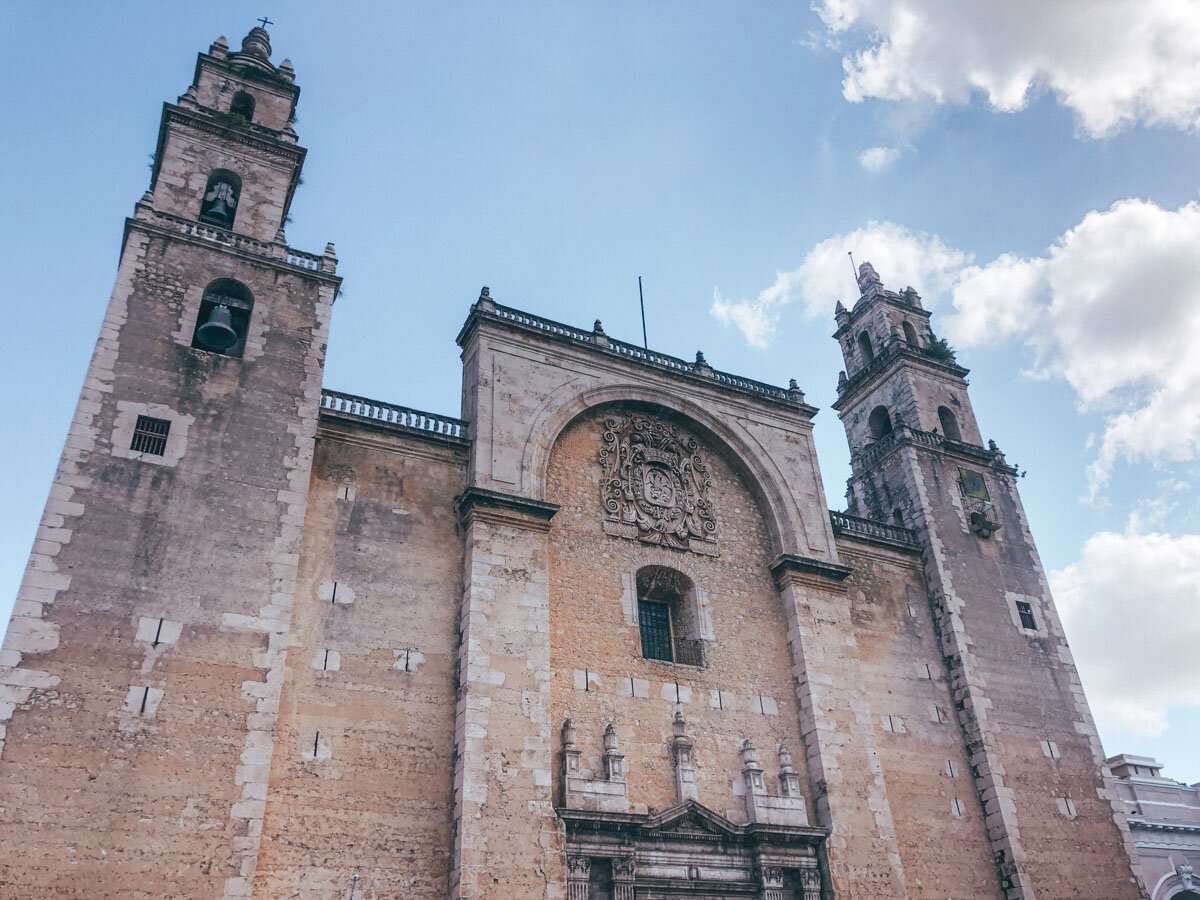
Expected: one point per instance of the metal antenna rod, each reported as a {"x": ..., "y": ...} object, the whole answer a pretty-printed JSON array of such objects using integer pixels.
[
  {"x": 642, "y": 301},
  {"x": 853, "y": 268}
]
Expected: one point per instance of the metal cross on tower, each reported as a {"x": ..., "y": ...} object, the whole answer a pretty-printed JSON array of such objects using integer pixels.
[{"x": 265, "y": 21}]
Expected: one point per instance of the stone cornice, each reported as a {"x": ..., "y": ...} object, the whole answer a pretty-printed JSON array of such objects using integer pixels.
[
  {"x": 891, "y": 357},
  {"x": 500, "y": 508},
  {"x": 789, "y": 568},
  {"x": 699, "y": 372}
]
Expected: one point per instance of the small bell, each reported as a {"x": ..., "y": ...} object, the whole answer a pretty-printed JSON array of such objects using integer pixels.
[{"x": 217, "y": 333}]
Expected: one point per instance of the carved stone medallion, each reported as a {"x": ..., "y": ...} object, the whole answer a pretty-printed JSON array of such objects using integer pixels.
[{"x": 655, "y": 485}]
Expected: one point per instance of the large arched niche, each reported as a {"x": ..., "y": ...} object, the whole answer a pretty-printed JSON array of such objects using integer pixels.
[
  {"x": 784, "y": 520},
  {"x": 730, "y": 668}
]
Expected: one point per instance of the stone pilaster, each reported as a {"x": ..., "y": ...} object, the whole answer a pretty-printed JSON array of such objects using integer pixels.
[
  {"x": 848, "y": 785},
  {"x": 624, "y": 874},
  {"x": 508, "y": 841},
  {"x": 579, "y": 870}
]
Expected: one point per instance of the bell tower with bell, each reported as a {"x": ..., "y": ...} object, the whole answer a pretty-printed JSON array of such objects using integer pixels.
[
  {"x": 143, "y": 659},
  {"x": 918, "y": 461}
]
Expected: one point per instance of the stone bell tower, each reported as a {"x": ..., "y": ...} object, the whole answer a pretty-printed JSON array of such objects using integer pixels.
[
  {"x": 918, "y": 460},
  {"x": 140, "y": 676}
]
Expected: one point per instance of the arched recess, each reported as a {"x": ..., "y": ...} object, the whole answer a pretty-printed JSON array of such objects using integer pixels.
[
  {"x": 910, "y": 334},
  {"x": 880, "y": 422},
  {"x": 865, "y": 348},
  {"x": 949, "y": 423},
  {"x": 783, "y": 518}
]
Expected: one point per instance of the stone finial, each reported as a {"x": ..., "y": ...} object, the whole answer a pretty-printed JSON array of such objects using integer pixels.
[
  {"x": 614, "y": 759},
  {"x": 330, "y": 250},
  {"x": 257, "y": 44},
  {"x": 219, "y": 47},
  {"x": 287, "y": 70},
  {"x": 794, "y": 392},
  {"x": 685, "y": 767},
  {"x": 598, "y": 328},
  {"x": 289, "y": 130},
  {"x": 751, "y": 770},
  {"x": 700, "y": 360},
  {"x": 571, "y": 751},
  {"x": 842, "y": 379},
  {"x": 789, "y": 778},
  {"x": 911, "y": 297},
  {"x": 485, "y": 299},
  {"x": 280, "y": 235},
  {"x": 701, "y": 364},
  {"x": 869, "y": 282}
]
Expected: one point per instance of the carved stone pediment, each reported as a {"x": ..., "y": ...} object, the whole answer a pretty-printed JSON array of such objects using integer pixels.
[{"x": 655, "y": 484}]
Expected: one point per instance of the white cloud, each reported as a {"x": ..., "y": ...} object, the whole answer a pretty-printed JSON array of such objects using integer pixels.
[
  {"x": 878, "y": 159},
  {"x": 1129, "y": 608},
  {"x": 902, "y": 256},
  {"x": 1113, "y": 63},
  {"x": 1114, "y": 309}
]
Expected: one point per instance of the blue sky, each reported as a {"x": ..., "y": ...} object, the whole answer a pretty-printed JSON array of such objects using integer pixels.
[{"x": 557, "y": 151}]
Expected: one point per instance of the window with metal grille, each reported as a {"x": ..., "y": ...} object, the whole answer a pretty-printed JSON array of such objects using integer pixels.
[
  {"x": 654, "y": 621},
  {"x": 150, "y": 435},
  {"x": 1025, "y": 611}
]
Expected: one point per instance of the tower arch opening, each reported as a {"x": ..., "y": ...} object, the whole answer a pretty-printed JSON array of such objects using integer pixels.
[
  {"x": 949, "y": 423},
  {"x": 910, "y": 334},
  {"x": 880, "y": 422},
  {"x": 221, "y": 195},
  {"x": 865, "y": 347},
  {"x": 224, "y": 318},
  {"x": 243, "y": 105}
]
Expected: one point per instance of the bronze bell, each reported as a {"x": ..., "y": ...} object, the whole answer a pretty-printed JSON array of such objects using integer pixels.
[{"x": 217, "y": 333}]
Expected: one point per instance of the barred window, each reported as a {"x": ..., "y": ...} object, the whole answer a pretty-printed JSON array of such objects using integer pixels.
[
  {"x": 654, "y": 621},
  {"x": 1025, "y": 611},
  {"x": 150, "y": 435},
  {"x": 668, "y": 616}
]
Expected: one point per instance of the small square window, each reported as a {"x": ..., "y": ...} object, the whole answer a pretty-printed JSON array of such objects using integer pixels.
[
  {"x": 1025, "y": 611},
  {"x": 150, "y": 436}
]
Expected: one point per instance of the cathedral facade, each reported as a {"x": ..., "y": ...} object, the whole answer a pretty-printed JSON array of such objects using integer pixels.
[{"x": 598, "y": 637}]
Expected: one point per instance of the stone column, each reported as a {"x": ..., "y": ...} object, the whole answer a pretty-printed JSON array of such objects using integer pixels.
[
  {"x": 502, "y": 723},
  {"x": 623, "y": 878},
  {"x": 579, "y": 870}
]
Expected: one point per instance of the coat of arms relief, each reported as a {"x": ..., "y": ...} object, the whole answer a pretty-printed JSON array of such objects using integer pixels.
[{"x": 655, "y": 485}]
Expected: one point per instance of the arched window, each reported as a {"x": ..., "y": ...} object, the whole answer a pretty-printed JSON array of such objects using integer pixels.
[
  {"x": 864, "y": 347},
  {"x": 910, "y": 334},
  {"x": 221, "y": 194},
  {"x": 897, "y": 516},
  {"x": 668, "y": 616},
  {"x": 243, "y": 105},
  {"x": 949, "y": 424},
  {"x": 224, "y": 318},
  {"x": 880, "y": 422}
]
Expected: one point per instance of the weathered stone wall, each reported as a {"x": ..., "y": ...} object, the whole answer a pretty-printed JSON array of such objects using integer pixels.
[
  {"x": 943, "y": 844},
  {"x": 1014, "y": 688},
  {"x": 154, "y": 616},
  {"x": 744, "y": 690},
  {"x": 361, "y": 782}
]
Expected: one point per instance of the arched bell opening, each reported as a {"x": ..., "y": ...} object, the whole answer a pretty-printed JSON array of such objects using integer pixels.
[
  {"x": 224, "y": 318},
  {"x": 221, "y": 195},
  {"x": 242, "y": 105},
  {"x": 949, "y": 423},
  {"x": 880, "y": 423},
  {"x": 865, "y": 348},
  {"x": 910, "y": 334}
]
